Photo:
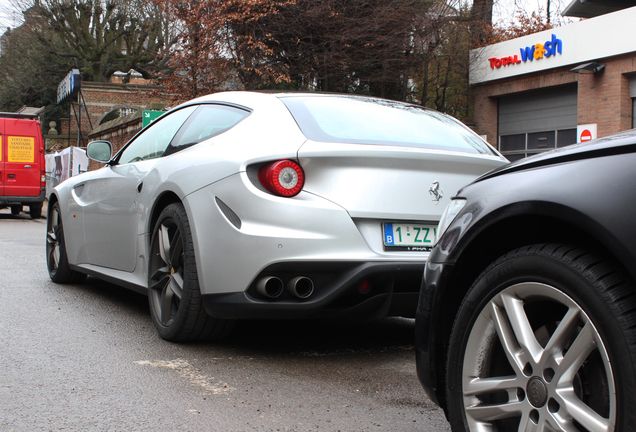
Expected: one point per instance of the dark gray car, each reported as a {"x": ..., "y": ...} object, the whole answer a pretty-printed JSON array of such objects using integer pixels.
[{"x": 526, "y": 320}]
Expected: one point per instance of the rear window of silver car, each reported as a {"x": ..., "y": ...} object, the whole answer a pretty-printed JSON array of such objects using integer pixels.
[{"x": 359, "y": 120}]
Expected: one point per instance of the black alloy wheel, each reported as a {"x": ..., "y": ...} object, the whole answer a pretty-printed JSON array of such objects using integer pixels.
[
  {"x": 544, "y": 341},
  {"x": 56, "y": 258},
  {"x": 174, "y": 295}
]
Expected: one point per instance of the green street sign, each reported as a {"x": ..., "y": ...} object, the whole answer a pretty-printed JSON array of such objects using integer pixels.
[{"x": 148, "y": 117}]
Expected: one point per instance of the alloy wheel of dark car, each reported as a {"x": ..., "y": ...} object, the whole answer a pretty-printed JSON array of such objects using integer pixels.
[
  {"x": 174, "y": 295},
  {"x": 537, "y": 345},
  {"x": 56, "y": 258}
]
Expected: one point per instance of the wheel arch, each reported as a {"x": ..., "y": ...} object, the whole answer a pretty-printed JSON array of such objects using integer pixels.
[
  {"x": 53, "y": 198},
  {"x": 164, "y": 200},
  {"x": 502, "y": 235}
]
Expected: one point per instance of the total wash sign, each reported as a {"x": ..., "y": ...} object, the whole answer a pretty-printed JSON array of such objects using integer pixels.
[{"x": 535, "y": 52}]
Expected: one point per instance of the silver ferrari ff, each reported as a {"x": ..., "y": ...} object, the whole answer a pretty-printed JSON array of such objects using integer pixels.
[{"x": 244, "y": 205}]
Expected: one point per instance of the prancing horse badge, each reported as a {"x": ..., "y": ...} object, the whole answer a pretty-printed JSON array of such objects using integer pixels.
[{"x": 436, "y": 192}]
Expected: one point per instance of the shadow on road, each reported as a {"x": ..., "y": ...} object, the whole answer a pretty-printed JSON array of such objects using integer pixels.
[
  {"x": 323, "y": 336},
  {"x": 6, "y": 215},
  {"x": 276, "y": 337}
]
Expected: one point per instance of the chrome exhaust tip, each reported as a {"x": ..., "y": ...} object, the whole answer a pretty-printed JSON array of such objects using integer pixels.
[
  {"x": 301, "y": 287},
  {"x": 270, "y": 286}
]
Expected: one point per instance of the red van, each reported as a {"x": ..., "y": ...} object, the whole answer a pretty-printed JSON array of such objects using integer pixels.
[{"x": 22, "y": 166}]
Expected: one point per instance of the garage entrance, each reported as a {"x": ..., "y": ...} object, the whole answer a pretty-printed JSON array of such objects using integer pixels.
[{"x": 537, "y": 121}]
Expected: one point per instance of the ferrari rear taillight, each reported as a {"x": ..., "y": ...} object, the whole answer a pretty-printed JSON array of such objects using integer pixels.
[{"x": 284, "y": 178}]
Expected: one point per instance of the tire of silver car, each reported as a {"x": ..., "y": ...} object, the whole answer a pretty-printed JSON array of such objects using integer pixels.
[
  {"x": 56, "y": 258},
  {"x": 175, "y": 298},
  {"x": 545, "y": 340}
]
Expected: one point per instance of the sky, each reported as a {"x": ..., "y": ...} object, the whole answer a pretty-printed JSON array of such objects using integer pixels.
[
  {"x": 505, "y": 9},
  {"x": 8, "y": 16}
]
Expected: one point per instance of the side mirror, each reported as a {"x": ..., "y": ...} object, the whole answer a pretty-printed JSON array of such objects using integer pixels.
[{"x": 100, "y": 151}]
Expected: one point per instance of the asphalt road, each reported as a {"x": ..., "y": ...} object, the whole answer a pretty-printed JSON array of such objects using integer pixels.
[{"x": 86, "y": 357}]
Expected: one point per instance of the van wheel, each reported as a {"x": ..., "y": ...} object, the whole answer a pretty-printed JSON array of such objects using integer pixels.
[
  {"x": 35, "y": 210},
  {"x": 56, "y": 259},
  {"x": 16, "y": 210}
]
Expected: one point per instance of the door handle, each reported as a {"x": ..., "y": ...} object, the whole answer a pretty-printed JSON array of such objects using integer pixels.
[
  {"x": 27, "y": 166},
  {"x": 11, "y": 175}
]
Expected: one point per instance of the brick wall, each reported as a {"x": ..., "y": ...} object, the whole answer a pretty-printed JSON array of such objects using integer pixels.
[
  {"x": 101, "y": 98},
  {"x": 485, "y": 114},
  {"x": 603, "y": 98}
]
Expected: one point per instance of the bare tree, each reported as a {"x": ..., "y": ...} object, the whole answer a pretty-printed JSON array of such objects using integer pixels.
[
  {"x": 334, "y": 45},
  {"x": 364, "y": 46},
  {"x": 29, "y": 72},
  {"x": 480, "y": 20},
  {"x": 199, "y": 62},
  {"x": 104, "y": 36}
]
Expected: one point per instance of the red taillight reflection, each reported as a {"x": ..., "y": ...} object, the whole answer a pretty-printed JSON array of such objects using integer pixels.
[
  {"x": 285, "y": 178},
  {"x": 364, "y": 287}
]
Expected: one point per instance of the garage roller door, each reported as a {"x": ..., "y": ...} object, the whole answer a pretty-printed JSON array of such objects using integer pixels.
[{"x": 537, "y": 121}]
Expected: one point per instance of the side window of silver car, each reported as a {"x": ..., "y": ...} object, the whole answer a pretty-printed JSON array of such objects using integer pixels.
[
  {"x": 153, "y": 141},
  {"x": 207, "y": 121}
]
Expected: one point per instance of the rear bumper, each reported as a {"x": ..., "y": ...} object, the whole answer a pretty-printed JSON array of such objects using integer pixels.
[
  {"x": 24, "y": 200},
  {"x": 342, "y": 290},
  {"x": 241, "y": 234}
]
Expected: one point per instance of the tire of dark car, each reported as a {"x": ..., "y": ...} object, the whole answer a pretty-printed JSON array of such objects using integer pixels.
[
  {"x": 174, "y": 295},
  {"x": 56, "y": 258},
  {"x": 545, "y": 339}
]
